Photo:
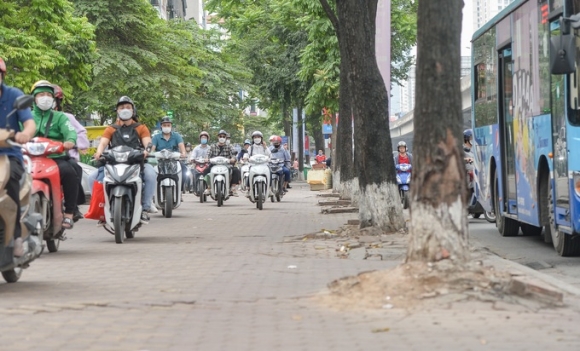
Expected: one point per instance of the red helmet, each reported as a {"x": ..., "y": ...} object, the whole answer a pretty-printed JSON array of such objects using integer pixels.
[
  {"x": 276, "y": 140},
  {"x": 58, "y": 94},
  {"x": 2, "y": 66}
]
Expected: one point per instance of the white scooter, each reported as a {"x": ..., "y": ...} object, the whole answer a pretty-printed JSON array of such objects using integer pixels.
[
  {"x": 123, "y": 190},
  {"x": 259, "y": 180},
  {"x": 219, "y": 178},
  {"x": 169, "y": 181},
  {"x": 245, "y": 171}
]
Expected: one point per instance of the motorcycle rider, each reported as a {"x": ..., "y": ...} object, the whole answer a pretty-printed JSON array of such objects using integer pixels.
[
  {"x": 244, "y": 150},
  {"x": 55, "y": 125},
  {"x": 222, "y": 149},
  {"x": 127, "y": 131},
  {"x": 278, "y": 152},
  {"x": 187, "y": 148},
  {"x": 403, "y": 156},
  {"x": 201, "y": 150},
  {"x": 7, "y": 96},
  {"x": 467, "y": 145},
  {"x": 169, "y": 139},
  {"x": 257, "y": 148},
  {"x": 82, "y": 145}
]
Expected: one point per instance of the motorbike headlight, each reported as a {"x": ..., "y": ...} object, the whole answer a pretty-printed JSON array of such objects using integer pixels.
[
  {"x": 121, "y": 157},
  {"x": 36, "y": 149}
]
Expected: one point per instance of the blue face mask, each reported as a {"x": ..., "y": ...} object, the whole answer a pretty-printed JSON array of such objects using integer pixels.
[{"x": 204, "y": 141}]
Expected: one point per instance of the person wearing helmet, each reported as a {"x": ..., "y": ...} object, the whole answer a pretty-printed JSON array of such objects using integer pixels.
[
  {"x": 228, "y": 139},
  {"x": 201, "y": 150},
  {"x": 187, "y": 148},
  {"x": 403, "y": 156},
  {"x": 127, "y": 131},
  {"x": 277, "y": 151},
  {"x": 171, "y": 140},
  {"x": 83, "y": 142},
  {"x": 55, "y": 125},
  {"x": 258, "y": 147},
  {"x": 244, "y": 150},
  {"x": 222, "y": 149},
  {"x": 467, "y": 145},
  {"x": 22, "y": 117}
]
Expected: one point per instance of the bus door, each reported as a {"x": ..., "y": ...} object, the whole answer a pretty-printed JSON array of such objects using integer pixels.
[{"x": 506, "y": 127}]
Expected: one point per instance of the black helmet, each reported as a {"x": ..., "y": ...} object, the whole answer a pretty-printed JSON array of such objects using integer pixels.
[
  {"x": 187, "y": 144},
  {"x": 127, "y": 100},
  {"x": 223, "y": 132},
  {"x": 166, "y": 120}
]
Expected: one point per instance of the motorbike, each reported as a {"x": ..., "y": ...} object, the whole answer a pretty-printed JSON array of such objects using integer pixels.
[
  {"x": 168, "y": 195},
  {"x": 189, "y": 182},
  {"x": 123, "y": 190},
  {"x": 245, "y": 172},
  {"x": 474, "y": 207},
  {"x": 47, "y": 194},
  {"x": 403, "y": 180},
  {"x": 220, "y": 179},
  {"x": 259, "y": 180},
  {"x": 200, "y": 184},
  {"x": 30, "y": 221},
  {"x": 277, "y": 181}
]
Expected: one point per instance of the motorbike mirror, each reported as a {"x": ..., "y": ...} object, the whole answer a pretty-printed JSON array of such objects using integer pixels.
[{"x": 23, "y": 101}]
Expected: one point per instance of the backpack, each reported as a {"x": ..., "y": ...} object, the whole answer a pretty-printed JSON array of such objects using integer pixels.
[{"x": 126, "y": 135}]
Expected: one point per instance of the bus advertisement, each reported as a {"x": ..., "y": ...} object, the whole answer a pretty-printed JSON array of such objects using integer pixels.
[{"x": 526, "y": 120}]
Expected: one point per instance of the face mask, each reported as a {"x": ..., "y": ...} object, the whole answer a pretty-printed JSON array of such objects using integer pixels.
[
  {"x": 187, "y": 149},
  {"x": 203, "y": 141},
  {"x": 227, "y": 142},
  {"x": 166, "y": 130},
  {"x": 257, "y": 141},
  {"x": 125, "y": 114},
  {"x": 276, "y": 147},
  {"x": 45, "y": 102},
  {"x": 222, "y": 140}
]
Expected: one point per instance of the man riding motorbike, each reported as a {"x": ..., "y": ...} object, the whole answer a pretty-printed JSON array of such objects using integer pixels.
[
  {"x": 55, "y": 125},
  {"x": 127, "y": 131},
  {"x": 278, "y": 152},
  {"x": 171, "y": 140},
  {"x": 257, "y": 148},
  {"x": 7, "y": 96},
  {"x": 222, "y": 149},
  {"x": 244, "y": 150},
  {"x": 187, "y": 148},
  {"x": 403, "y": 156}
]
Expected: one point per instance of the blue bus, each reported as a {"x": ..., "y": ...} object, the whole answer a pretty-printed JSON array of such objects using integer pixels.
[{"x": 526, "y": 120}]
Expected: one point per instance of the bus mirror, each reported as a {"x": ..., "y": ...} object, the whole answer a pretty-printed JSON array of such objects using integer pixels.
[{"x": 562, "y": 54}]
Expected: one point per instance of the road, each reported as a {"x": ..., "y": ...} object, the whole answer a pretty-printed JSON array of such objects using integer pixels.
[{"x": 527, "y": 250}]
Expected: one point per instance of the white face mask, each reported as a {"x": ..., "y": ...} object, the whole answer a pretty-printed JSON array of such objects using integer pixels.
[
  {"x": 222, "y": 140},
  {"x": 166, "y": 130},
  {"x": 44, "y": 102},
  {"x": 227, "y": 142},
  {"x": 125, "y": 114},
  {"x": 257, "y": 141}
]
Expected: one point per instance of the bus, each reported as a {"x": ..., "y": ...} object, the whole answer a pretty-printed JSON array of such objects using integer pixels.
[{"x": 526, "y": 120}]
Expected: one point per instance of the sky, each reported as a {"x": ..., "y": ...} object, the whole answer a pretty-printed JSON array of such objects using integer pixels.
[{"x": 467, "y": 28}]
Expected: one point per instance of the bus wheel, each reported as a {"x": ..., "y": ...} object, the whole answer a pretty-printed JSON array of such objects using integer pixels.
[
  {"x": 565, "y": 244},
  {"x": 506, "y": 226}
]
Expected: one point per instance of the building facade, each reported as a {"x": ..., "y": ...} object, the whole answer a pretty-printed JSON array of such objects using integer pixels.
[
  {"x": 484, "y": 10},
  {"x": 169, "y": 9}
]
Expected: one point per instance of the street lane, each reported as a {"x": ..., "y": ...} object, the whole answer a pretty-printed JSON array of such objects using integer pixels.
[{"x": 527, "y": 250}]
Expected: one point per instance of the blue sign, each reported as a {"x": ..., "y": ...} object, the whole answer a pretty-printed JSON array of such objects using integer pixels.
[
  {"x": 284, "y": 140},
  {"x": 326, "y": 128}
]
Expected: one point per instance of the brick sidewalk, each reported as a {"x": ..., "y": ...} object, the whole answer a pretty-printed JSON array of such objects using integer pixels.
[{"x": 230, "y": 279}]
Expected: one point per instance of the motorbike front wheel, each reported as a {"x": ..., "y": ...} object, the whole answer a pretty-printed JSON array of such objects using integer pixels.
[
  {"x": 118, "y": 220},
  {"x": 219, "y": 195},
  {"x": 12, "y": 275},
  {"x": 200, "y": 190},
  {"x": 405, "y": 199},
  {"x": 261, "y": 193},
  {"x": 168, "y": 202}
]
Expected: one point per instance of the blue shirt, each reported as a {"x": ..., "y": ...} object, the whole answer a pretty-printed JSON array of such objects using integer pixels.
[
  {"x": 281, "y": 154},
  {"x": 9, "y": 95},
  {"x": 172, "y": 144}
]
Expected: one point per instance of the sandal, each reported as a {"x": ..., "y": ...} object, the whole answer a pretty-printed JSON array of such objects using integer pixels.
[{"x": 68, "y": 223}]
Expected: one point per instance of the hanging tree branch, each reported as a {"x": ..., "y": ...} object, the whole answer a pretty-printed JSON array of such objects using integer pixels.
[{"x": 331, "y": 15}]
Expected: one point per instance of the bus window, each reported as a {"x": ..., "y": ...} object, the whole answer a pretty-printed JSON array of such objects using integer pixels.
[
  {"x": 480, "y": 81},
  {"x": 573, "y": 83}
]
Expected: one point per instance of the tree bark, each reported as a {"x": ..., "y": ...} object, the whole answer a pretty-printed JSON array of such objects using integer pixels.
[
  {"x": 379, "y": 201},
  {"x": 300, "y": 141},
  {"x": 317, "y": 133},
  {"x": 343, "y": 157},
  {"x": 438, "y": 217}
]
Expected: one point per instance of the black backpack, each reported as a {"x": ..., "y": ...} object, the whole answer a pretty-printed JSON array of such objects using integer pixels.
[{"x": 126, "y": 135}]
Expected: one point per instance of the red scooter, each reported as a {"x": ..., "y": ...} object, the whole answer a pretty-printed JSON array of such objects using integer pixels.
[
  {"x": 199, "y": 183},
  {"x": 47, "y": 196}
]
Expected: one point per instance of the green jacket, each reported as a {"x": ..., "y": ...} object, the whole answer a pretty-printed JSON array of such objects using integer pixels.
[{"x": 60, "y": 127}]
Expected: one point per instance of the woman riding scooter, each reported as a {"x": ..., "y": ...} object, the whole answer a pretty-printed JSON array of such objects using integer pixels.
[{"x": 55, "y": 125}]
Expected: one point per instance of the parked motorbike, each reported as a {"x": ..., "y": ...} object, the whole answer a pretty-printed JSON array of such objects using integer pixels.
[
  {"x": 30, "y": 221},
  {"x": 47, "y": 194},
  {"x": 199, "y": 183},
  {"x": 277, "y": 181},
  {"x": 259, "y": 180},
  {"x": 168, "y": 195},
  {"x": 403, "y": 180},
  {"x": 220, "y": 179},
  {"x": 123, "y": 190}
]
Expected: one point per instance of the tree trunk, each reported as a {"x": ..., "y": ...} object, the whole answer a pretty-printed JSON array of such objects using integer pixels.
[
  {"x": 286, "y": 120},
  {"x": 379, "y": 201},
  {"x": 300, "y": 141},
  {"x": 344, "y": 168},
  {"x": 438, "y": 217},
  {"x": 317, "y": 133}
]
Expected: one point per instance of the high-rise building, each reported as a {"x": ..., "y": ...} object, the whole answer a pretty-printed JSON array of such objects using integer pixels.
[
  {"x": 169, "y": 9},
  {"x": 484, "y": 10},
  {"x": 407, "y": 93},
  {"x": 196, "y": 11}
]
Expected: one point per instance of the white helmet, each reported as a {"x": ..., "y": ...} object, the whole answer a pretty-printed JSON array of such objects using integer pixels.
[{"x": 257, "y": 133}]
